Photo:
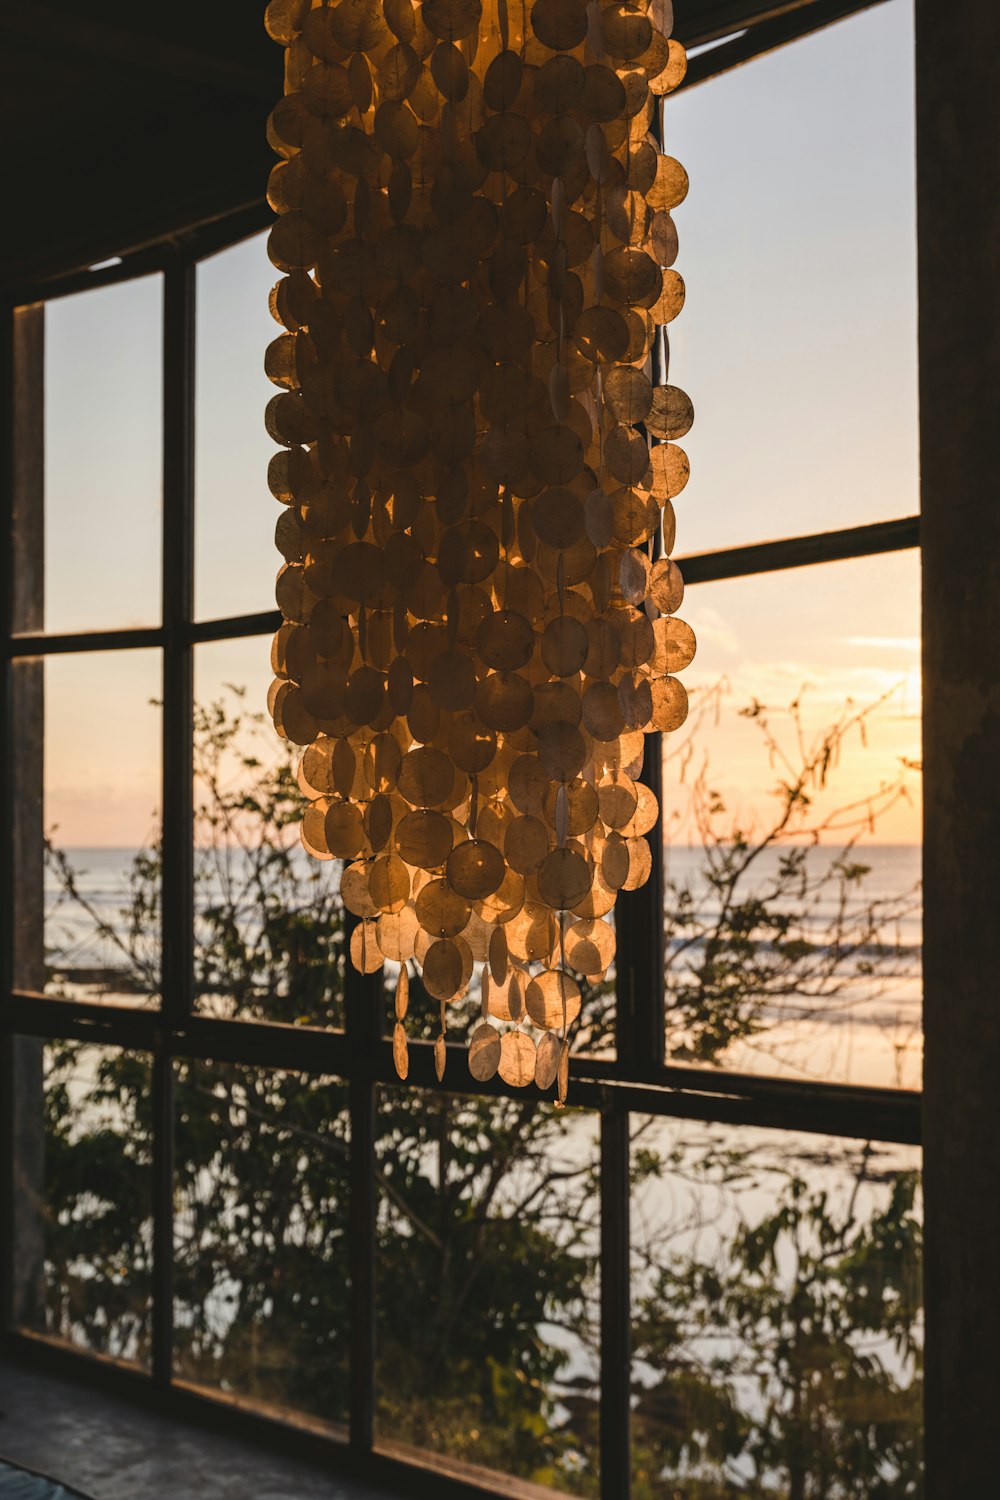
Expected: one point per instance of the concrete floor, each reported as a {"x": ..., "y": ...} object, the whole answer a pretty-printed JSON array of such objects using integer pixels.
[{"x": 112, "y": 1450}]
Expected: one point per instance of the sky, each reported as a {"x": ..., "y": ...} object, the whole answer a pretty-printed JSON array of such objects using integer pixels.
[{"x": 797, "y": 344}]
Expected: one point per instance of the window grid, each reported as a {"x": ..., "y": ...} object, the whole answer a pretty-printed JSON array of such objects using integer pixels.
[{"x": 638, "y": 1080}]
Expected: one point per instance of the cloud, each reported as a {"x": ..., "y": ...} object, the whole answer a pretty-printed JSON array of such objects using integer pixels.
[
  {"x": 713, "y": 630},
  {"x": 823, "y": 690},
  {"x": 886, "y": 642}
]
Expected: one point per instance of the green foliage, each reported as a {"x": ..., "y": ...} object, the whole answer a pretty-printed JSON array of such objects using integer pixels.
[
  {"x": 269, "y": 938},
  {"x": 95, "y": 1207},
  {"x": 487, "y": 1240},
  {"x": 791, "y": 1357},
  {"x": 261, "y": 1226}
]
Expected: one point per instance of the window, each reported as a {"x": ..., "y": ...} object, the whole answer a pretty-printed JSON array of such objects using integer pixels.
[{"x": 217, "y": 1182}]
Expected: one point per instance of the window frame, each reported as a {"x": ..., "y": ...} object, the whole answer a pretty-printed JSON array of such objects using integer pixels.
[{"x": 638, "y": 1080}]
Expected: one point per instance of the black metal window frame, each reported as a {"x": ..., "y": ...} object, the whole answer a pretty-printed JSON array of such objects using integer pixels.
[{"x": 639, "y": 1080}]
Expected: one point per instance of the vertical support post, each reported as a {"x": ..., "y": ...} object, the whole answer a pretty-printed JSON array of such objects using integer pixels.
[
  {"x": 616, "y": 1351},
  {"x": 958, "y": 210},
  {"x": 639, "y": 965},
  {"x": 177, "y": 868},
  {"x": 7, "y": 1258},
  {"x": 178, "y": 664},
  {"x": 25, "y": 603},
  {"x": 24, "y": 850},
  {"x": 362, "y": 1264},
  {"x": 363, "y": 1002},
  {"x": 162, "y": 1124},
  {"x": 22, "y": 858}
]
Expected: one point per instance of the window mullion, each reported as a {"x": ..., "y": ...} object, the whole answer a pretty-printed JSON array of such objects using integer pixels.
[
  {"x": 616, "y": 1342},
  {"x": 178, "y": 675},
  {"x": 364, "y": 998},
  {"x": 177, "y": 853},
  {"x": 639, "y": 964},
  {"x": 362, "y": 1264}
]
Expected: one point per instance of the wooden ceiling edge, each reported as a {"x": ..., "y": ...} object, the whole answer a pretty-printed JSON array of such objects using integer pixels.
[
  {"x": 731, "y": 19},
  {"x": 235, "y": 213},
  {"x": 791, "y": 25}
]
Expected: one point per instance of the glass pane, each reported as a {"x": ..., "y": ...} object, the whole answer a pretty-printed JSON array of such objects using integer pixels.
[
  {"x": 776, "y": 1305},
  {"x": 269, "y": 923},
  {"x": 261, "y": 1222},
  {"x": 87, "y": 839},
  {"x": 487, "y": 1286},
  {"x": 103, "y": 457},
  {"x": 793, "y": 827},
  {"x": 83, "y": 1196},
  {"x": 798, "y": 340},
  {"x": 235, "y": 513},
  {"x": 269, "y": 933}
]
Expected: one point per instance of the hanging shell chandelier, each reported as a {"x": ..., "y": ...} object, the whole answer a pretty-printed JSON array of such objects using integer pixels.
[{"x": 478, "y": 471}]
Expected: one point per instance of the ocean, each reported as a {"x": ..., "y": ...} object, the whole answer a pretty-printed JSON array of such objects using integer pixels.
[{"x": 840, "y": 1005}]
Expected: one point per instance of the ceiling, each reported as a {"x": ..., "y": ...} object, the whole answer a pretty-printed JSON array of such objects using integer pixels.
[{"x": 132, "y": 121}]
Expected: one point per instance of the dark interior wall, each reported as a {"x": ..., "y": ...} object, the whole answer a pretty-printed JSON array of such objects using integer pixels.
[
  {"x": 129, "y": 122},
  {"x": 958, "y": 158}
]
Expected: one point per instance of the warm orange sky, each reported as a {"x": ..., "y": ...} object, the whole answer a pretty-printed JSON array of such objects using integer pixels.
[
  {"x": 797, "y": 345},
  {"x": 826, "y": 636}
]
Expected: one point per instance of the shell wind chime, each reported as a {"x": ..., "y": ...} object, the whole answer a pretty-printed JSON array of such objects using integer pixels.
[{"x": 478, "y": 603}]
